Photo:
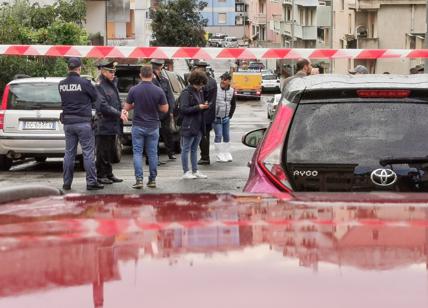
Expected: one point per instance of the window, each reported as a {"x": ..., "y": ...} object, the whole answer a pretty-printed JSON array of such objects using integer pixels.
[
  {"x": 29, "y": 96},
  {"x": 368, "y": 133},
  {"x": 240, "y": 7},
  {"x": 239, "y": 20},
  {"x": 222, "y": 18}
]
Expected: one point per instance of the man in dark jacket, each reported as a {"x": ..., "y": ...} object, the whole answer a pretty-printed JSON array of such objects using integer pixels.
[
  {"x": 210, "y": 96},
  {"x": 110, "y": 114},
  {"x": 163, "y": 83},
  {"x": 77, "y": 97}
]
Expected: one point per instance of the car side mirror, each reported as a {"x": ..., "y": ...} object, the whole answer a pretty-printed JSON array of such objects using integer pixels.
[{"x": 253, "y": 138}]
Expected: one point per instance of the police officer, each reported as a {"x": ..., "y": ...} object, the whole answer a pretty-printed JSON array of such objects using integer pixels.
[
  {"x": 210, "y": 96},
  {"x": 163, "y": 83},
  {"x": 109, "y": 116},
  {"x": 77, "y": 98}
]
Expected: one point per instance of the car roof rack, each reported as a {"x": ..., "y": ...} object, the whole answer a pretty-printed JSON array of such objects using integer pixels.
[{"x": 19, "y": 192}]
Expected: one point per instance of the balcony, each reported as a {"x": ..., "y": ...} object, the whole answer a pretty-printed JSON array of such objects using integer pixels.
[
  {"x": 324, "y": 16},
  {"x": 375, "y": 4},
  {"x": 368, "y": 43},
  {"x": 260, "y": 19},
  {"x": 309, "y": 33},
  {"x": 285, "y": 28}
]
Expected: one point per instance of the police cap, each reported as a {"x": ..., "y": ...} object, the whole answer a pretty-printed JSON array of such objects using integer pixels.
[
  {"x": 107, "y": 64},
  {"x": 74, "y": 63},
  {"x": 157, "y": 62}
]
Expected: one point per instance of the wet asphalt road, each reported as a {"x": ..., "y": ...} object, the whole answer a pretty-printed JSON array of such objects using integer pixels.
[{"x": 222, "y": 177}]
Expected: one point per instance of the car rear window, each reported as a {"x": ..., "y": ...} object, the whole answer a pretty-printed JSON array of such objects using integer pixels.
[
  {"x": 127, "y": 79},
  {"x": 357, "y": 133},
  {"x": 30, "y": 96},
  {"x": 269, "y": 77}
]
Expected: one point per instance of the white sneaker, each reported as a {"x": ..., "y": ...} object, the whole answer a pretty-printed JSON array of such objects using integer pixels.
[
  {"x": 199, "y": 175},
  {"x": 226, "y": 154},
  {"x": 188, "y": 176}
]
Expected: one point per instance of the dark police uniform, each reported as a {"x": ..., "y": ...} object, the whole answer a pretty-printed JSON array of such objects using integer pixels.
[
  {"x": 165, "y": 118},
  {"x": 108, "y": 125},
  {"x": 77, "y": 97}
]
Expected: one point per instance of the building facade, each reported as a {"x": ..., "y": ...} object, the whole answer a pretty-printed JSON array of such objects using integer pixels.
[
  {"x": 379, "y": 24},
  {"x": 261, "y": 14},
  {"x": 225, "y": 16}
]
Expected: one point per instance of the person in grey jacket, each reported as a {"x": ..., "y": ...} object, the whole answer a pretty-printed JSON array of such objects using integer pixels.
[{"x": 225, "y": 108}]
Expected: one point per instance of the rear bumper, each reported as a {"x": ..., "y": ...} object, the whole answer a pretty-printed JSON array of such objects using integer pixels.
[
  {"x": 37, "y": 145},
  {"x": 254, "y": 94}
]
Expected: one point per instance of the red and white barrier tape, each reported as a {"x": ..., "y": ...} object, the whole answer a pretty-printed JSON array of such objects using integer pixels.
[{"x": 207, "y": 53}]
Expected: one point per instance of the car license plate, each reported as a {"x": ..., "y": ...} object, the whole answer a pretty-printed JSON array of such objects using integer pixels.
[
  {"x": 246, "y": 93},
  {"x": 39, "y": 125}
]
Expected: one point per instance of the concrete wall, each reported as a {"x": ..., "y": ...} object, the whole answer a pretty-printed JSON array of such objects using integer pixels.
[
  {"x": 392, "y": 33},
  {"x": 96, "y": 17}
]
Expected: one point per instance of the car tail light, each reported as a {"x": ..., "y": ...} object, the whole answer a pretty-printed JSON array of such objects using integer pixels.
[
  {"x": 3, "y": 106},
  {"x": 269, "y": 158},
  {"x": 383, "y": 93},
  {"x": 1, "y": 119}
]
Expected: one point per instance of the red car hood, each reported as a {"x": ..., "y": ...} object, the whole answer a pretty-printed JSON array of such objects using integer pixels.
[{"x": 215, "y": 251}]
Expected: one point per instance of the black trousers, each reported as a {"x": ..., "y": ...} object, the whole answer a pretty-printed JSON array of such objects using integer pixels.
[
  {"x": 204, "y": 145},
  {"x": 166, "y": 135},
  {"x": 104, "y": 148}
]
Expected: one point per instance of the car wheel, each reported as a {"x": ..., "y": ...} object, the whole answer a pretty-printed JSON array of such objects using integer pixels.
[
  {"x": 117, "y": 154},
  {"x": 40, "y": 159},
  {"x": 5, "y": 163}
]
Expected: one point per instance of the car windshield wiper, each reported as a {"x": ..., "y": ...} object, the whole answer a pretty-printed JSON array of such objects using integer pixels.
[{"x": 403, "y": 160}]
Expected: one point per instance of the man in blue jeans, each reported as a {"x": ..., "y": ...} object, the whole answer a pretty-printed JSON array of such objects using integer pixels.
[{"x": 147, "y": 100}]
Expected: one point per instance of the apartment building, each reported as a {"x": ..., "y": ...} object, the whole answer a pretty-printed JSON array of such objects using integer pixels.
[
  {"x": 306, "y": 23},
  {"x": 379, "y": 24},
  {"x": 225, "y": 16},
  {"x": 261, "y": 15}
]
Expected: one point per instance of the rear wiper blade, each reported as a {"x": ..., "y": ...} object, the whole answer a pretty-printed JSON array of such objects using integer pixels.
[{"x": 403, "y": 160}]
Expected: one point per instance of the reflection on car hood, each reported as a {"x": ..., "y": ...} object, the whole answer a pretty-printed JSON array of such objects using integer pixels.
[{"x": 324, "y": 250}]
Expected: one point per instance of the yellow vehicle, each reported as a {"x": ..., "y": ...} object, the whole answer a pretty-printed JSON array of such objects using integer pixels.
[{"x": 247, "y": 83}]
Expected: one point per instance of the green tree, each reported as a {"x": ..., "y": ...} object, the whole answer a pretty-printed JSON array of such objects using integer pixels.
[
  {"x": 25, "y": 23},
  {"x": 179, "y": 23}
]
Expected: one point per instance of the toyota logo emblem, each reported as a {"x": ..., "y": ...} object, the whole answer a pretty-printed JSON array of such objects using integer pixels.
[{"x": 383, "y": 177}]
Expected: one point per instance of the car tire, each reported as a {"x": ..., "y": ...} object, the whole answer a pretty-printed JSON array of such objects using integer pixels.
[
  {"x": 5, "y": 163},
  {"x": 117, "y": 154},
  {"x": 40, "y": 159}
]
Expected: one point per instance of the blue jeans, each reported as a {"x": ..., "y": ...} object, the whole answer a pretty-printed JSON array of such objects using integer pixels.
[
  {"x": 145, "y": 137},
  {"x": 221, "y": 129},
  {"x": 190, "y": 144},
  {"x": 79, "y": 133}
]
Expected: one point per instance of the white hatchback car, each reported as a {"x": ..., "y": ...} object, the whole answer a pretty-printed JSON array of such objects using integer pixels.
[
  {"x": 270, "y": 83},
  {"x": 29, "y": 121}
]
